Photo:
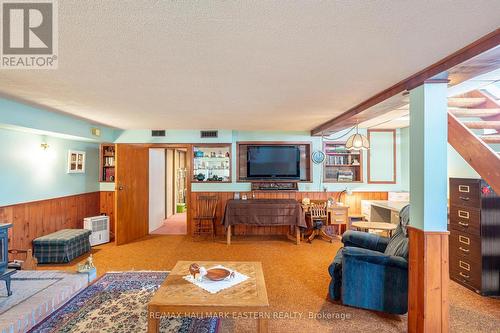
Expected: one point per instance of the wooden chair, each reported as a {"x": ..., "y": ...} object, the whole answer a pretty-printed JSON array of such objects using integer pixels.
[
  {"x": 318, "y": 218},
  {"x": 205, "y": 217}
]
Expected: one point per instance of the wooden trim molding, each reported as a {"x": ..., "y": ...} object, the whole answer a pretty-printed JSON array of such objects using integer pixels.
[
  {"x": 481, "y": 45},
  {"x": 428, "y": 278},
  {"x": 394, "y": 157}
]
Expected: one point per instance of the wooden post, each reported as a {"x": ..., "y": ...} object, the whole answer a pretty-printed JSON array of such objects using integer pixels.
[{"x": 428, "y": 237}]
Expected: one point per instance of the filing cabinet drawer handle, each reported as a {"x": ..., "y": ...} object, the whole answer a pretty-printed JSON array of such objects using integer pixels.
[
  {"x": 464, "y": 240},
  {"x": 464, "y": 275},
  {"x": 463, "y": 214},
  {"x": 464, "y": 198},
  {"x": 463, "y": 224},
  {"x": 339, "y": 220},
  {"x": 464, "y": 250},
  {"x": 464, "y": 265},
  {"x": 463, "y": 188}
]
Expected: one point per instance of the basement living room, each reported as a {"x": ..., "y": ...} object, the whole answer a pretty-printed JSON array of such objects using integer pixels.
[{"x": 249, "y": 167}]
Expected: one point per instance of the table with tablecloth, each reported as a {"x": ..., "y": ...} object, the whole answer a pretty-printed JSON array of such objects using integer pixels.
[{"x": 264, "y": 212}]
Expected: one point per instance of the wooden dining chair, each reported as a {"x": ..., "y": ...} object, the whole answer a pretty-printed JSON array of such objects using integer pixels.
[
  {"x": 319, "y": 218},
  {"x": 204, "y": 220}
]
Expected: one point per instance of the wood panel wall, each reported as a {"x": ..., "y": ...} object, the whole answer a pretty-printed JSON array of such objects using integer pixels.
[
  {"x": 107, "y": 206},
  {"x": 354, "y": 202},
  {"x": 428, "y": 278},
  {"x": 34, "y": 219}
]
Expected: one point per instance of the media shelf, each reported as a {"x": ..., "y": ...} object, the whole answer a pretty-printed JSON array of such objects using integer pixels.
[
  {"x": 342, "y": 165},
  {"x": 107, "y": 163},
  {"x": 212, "y": 163}
]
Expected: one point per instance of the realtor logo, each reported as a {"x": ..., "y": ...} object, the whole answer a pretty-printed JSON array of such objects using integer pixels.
[{"x": 29, "y": 34}]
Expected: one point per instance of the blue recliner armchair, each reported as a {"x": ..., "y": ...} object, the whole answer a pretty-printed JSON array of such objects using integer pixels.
[{"x": 371, "y": 272}]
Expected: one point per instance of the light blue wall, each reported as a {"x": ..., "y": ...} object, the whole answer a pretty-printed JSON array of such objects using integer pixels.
[
  {"x": 428, "y": 160},
  {"x": 458, "y": 167},
  {"x": 228, "y": 136},
  {"x": 19, "y": 116},
  {"x": 29, "y": 173},
  {"x": 405, "y": 158},
  {"x": 382, "y": 147}
]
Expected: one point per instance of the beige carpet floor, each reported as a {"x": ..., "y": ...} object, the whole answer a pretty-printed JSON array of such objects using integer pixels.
[{"x": 297, "y": 282}]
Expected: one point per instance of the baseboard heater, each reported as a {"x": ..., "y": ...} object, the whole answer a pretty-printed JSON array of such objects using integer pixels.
[{"x": 274, "y": 186}]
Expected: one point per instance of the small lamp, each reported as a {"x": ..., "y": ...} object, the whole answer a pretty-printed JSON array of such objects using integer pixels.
[
  {"x": 347, "y": 191},
  {"x": 357, "y": 141}
]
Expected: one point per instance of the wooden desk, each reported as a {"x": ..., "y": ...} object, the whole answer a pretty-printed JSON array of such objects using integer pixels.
[
  {"x": 177, "y": 296},
  {"x": 337, "y": 215},
  {"x": 382, "y": 210},
  {"x": 367, "y": 226}
]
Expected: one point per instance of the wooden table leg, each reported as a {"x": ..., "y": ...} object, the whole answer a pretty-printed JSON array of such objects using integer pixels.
[
  {"x": 153, "y": 323},
  {"x": 263, "y": 325},
  {"x": 297, "y": 234},
  {"x": 228, "y": 235}
]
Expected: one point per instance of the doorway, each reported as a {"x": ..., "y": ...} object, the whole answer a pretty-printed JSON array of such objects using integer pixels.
[{"x": 167, "y": 191}]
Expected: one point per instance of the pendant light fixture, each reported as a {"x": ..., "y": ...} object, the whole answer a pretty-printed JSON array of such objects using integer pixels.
[{"x": 357, "y": 141}]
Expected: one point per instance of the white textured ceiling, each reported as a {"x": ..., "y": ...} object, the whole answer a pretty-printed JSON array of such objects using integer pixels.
[{"x": 287, "y": 65}]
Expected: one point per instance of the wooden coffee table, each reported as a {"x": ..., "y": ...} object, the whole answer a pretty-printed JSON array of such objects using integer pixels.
[
  {"x": 389, "y": 227},
  {"x": 178, "y": 297}
]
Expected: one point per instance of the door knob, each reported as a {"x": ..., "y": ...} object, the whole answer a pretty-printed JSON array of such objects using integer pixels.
[{"x": 120, "y": 187}]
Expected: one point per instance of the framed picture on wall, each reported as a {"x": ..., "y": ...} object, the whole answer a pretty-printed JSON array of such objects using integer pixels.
[{"x": 76, "y": 161}]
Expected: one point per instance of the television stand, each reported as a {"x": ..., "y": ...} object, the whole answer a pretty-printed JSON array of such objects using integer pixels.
[{"x": 274, "y": 186}]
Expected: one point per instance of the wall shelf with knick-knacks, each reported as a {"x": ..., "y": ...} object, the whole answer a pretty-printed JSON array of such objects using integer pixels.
[{"x": 212, "y": 163}]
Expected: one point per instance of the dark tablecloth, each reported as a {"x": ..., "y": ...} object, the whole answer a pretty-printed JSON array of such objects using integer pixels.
[{"x": 264, "y": 212}]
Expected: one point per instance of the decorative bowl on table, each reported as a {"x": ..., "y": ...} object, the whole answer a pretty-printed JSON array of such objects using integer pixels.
[
  {"x": 212, "y": 274},
  {"x": 218, "y": 274}
]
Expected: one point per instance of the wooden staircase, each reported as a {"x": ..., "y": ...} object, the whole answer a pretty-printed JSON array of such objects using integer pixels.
[{"x": 475, "y": 147}]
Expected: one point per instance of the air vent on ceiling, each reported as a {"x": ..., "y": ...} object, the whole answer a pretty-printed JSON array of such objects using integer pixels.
[
  {"x": 209, "y": 134},
  {"x": 158, "y": 133}
]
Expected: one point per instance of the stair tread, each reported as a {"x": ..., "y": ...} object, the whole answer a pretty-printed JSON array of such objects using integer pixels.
[
  {"x": 465, "y": 102},
  {"x": 492, "y": 138},
  {"x": 485, "y": 124},
  {"x": 463, "y": 112}
]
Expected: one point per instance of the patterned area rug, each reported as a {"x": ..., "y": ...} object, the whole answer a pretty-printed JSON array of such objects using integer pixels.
[{"x": 117, "y": 302}]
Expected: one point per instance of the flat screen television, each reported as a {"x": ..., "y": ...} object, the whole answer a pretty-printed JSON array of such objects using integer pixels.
[{"x": 273, "y": 162}]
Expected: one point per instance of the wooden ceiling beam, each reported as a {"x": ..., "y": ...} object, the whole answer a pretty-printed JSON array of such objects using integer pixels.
[{"x": 348, "y": 118}]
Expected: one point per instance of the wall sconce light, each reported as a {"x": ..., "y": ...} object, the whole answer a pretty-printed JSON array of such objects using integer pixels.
[{"x": 44, "y": 145}]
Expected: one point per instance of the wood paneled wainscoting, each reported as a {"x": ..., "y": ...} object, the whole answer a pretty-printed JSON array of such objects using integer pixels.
[
  {"x": 34, "y": 219},
  {"x": 107, "y": 206},
  {"x": 353, "y": 201},
  {"x": 428, "y": 277}
]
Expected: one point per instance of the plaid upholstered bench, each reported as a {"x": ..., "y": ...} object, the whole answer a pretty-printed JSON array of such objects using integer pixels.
[{"x": 61, "y": 246}]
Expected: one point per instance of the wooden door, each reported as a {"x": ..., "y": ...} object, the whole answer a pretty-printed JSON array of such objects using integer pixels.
[{"x": 132, "y": 193}]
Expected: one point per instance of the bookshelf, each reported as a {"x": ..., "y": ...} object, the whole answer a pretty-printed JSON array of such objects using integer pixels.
[
  {"x": 107, "y": 163},
  {"x": 342, "y": 165}
]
